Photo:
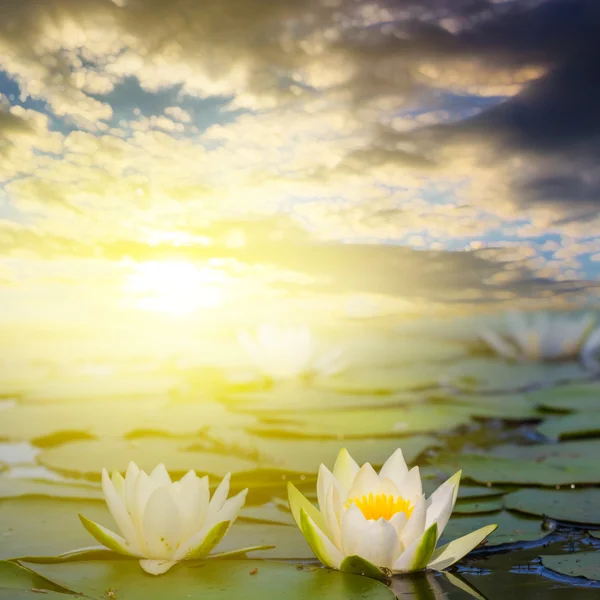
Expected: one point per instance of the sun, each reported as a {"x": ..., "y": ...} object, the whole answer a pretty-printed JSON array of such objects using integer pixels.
[{"x": 174, "y": 287}]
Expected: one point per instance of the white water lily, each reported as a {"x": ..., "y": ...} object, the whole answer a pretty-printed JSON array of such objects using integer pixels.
[
  {"x": 540, "y": 337},
  {"x": 371, "y": 523},
  {"x": 163, "y": 522},
  {"x": 288, "y": 352}
]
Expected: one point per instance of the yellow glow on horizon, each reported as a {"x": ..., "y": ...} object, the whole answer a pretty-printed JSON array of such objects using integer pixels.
[{"x": 175, "y": 287}]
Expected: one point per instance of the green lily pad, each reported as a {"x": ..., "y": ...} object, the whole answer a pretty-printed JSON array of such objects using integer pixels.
[
  {"x": 46, "y": 526},
  {"x": 571, "y": 426},
  {"x": 307, "y": 399},
  {"x": 466, "y": 491},
  {"x": 288, "y": 541},
  {"x": 122, "y": 387},
  {"x": 87, "y": 458},
  {"x": 481, "y": 505},
  {"x": 301, "y": 455},
  {"x": 386, "y": 380},
  {"x": 372, "y": 423},
  {"x": 575, "y": 564},
  {"x": 217, "y": 580},
  {"x": 500, "y": 470},
  {"x": 574, "y": 506},
  {"x": 481, "y": 374},
  {"x": 511, "y": 528},
  {"x": 508, "y": 407},
  {"x": 268, "y": 513},
  {"x": 568, "y": 398},
  {"x": 19, "y": 583},
  {"x": 17, "y": 488},
  {"x": 116, "y": 419}
]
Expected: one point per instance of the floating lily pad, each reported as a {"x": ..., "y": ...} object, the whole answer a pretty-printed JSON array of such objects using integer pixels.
[
  {"x": 16, "y": 488},
  {"x": 288, "y": 541},
  {"x": 267, "y": 513},
  {"x": 511, "y": 528},
  {"x": 575, "y": 564},
  {"x": 299, "y": 455},
  {"x": 480, "y": 374},
  {"x": 568, "y": 398},
  {"x": 115, "y": 419},
  {"x": 119, "y": 386},
  {"x": 382, "y": 380},
  {"x": 46, "y": 526},
  {"x": 574, "y": 506},
  {"x": 373, "y": 422},
  {"x": 216, "y": 580},
  {"x": 88, "y": 457},
  {"x": 482, "y": 505},
  {"x": 465, "y": 491},
  {"x": 508, "y": 407},
  {"x": 307, "y": 399},
  {"x": 500, "y": 470},
  {"x": 571, "y": 426},
  {"x": 19, "y": 583}
]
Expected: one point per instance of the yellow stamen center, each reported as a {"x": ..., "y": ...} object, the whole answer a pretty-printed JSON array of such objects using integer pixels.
[{"x": 381, "y": 506}]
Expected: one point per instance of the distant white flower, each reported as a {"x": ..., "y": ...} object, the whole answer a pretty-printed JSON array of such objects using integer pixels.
[
  {"x": 163, "y": 522},
  {"x": 288, "y": 352},
  {"x": 590, "y": 353},
  {"x": 540, "y": 337},
  {"x": 370, "y": 522}
]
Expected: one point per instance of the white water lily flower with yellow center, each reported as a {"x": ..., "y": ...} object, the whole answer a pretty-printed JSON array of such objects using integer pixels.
[
  {"x": 289, "y": 352},
  {"x": 540, "y": 337},
  {"x": 163, "y": 522},
  {"x": 372, "y": 523}
]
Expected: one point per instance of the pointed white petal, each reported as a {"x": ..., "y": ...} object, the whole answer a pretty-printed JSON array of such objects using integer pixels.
[
  {"x": 395, "y": 468},
  {"x": 345, "y": 471},
  {"x": 192, "y": 497},
  {"x": 325, "y": 481},
  {"x": 160, "y": 475},
  {"x": 375, "y": 541},
  {"x": 447, "y": 555},
  {"x": 440, "y": 509},
  {"x": 162, "y": 524},
  {"x": 107, "y": 537},
  {"x": 418, "y": 554},
  {"x": 156, "y": 567},
  {"x": 320, "y": 544},
  {"x": 231, "y": 508},
  {"x": 415, "y": 525},
  {"x": 498, "y": 344},
  {"x": 365, "y": 482},
  {"x": 219, "y": 497},
  {"x": 412, "y": 487},
  {"x": 118, "y": 510},
  {"x": 298, "y": 503}
]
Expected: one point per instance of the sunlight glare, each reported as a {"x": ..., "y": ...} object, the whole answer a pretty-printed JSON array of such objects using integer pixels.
[{"x": 175, "y": 287}]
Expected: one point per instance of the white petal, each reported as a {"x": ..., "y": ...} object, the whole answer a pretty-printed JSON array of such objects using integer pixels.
[
  {"x": 320, "y": 544},
  {"x": 440, "y": 509},
  {"x": 375, "y": 541},
  {"x": 130, "y": 479},
  {"x": 416, "y": 523},
  {"x": 160, "y": 476},
  {"x": 412, "y": 487},
  {"x": 345, "y": 470},
  {"x": 192, "y": 496},
  {"x": 332, "y": 513},
  {"x": 365, "y": 482},
  {"x": 118, "y": 510},
  {"x": 156, "y": 567},
  {"x": 325, "y": 481},
  {"x": 399, "y": 521},
  {"x": 418, "y": 554},
  {"x": 231, "y": 509},
  {"x": 591, "y": 350},
  {"x": 119, "y": 485},
  {"x": 162, "y": 524},
  {"x": 452, "y": 552},
  {"x": 498, "y": 344},
  {"x": 395, "y": 468},
  {"x": 218, "y": 498}
]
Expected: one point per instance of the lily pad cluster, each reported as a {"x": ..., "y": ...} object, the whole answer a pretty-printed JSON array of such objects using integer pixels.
[{"x": 526, "y": 436}]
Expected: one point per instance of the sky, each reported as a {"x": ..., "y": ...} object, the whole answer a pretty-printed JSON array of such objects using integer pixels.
[{"x": 240, "y": 159}]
